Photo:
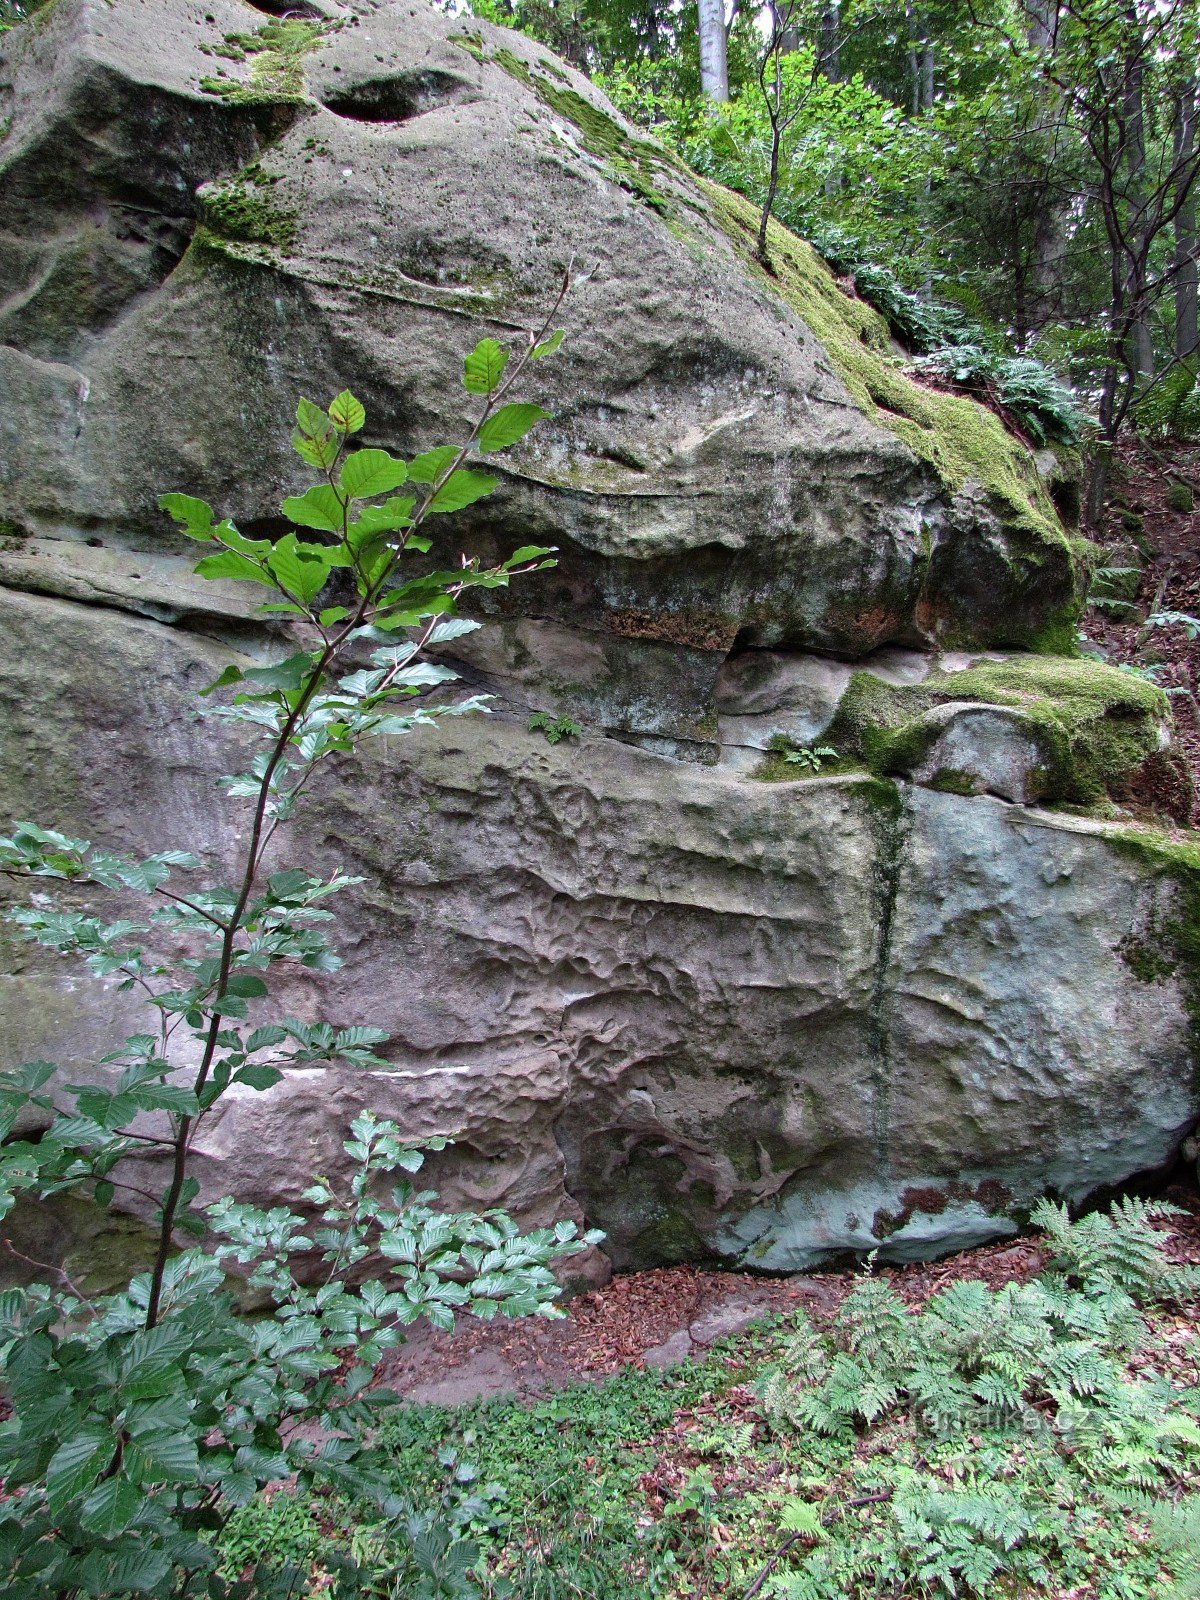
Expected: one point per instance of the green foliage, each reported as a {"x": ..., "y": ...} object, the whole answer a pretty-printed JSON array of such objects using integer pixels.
[
  {"x": 990, "y": 1444},
  {"x": 809, "y": 759},
  {"x": 1120, "y": 1247},
  {"x": 1171, "y": 410},
  {"x": 13, "y": 12},
  {"x": 1180, "y": 497},
  {"x": 1007, "y": 1394},
  {"x": 142, "y": 1420},
  {"x": 554, "y": 728}
]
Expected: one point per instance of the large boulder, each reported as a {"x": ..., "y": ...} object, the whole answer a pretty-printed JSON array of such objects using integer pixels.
[
  {"x": 722, "y": 1008},
  {"x": 204, "y": 212},
  {"x": 721, "y": 1017}
]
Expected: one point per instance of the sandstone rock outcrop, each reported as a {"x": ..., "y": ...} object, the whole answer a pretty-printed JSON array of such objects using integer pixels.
[{"x": 650, "y": 976}]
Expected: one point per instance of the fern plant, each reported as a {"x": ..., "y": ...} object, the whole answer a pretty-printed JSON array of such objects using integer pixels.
[
  {"x": 1013, "y": 1390},
  {"x": 1120, "y": 1247}
]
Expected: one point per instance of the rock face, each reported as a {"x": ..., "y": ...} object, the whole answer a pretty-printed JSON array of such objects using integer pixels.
[{"x": 653, "y": 976}]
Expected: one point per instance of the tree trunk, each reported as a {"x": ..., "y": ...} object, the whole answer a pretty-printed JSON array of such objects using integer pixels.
[
  {"x": 1187, "y": 237},
  {"x": 829, "y": 42},
  {"x": 714, "y": 66},
  {"x": 1141, "y": 353}
]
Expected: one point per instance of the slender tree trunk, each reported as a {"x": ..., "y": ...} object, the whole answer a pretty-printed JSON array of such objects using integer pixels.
[
  {"x": 774, "y": 112},
  {"x": 714, "y": 65},
  {"x": 1187, "y": 235},
  {"x": 1141, "y": 352},
  {"x": 928, "y": 70},
  {"x": 829, "y": 43}
]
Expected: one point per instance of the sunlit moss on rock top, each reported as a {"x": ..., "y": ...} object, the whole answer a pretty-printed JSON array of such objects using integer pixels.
[
  {"x": 961, "y": 440},
  {"x": 1095, "y": 726}
]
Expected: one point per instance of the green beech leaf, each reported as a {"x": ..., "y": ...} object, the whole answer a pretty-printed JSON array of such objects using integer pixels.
[
  {"x": 229, "y": 564},
  {"x": 258, "y": 1075},
  {"x": 289, "y": 674},
  {"x": 427, "y": 468},
  {"x": 388, "y": 517},
  {"x": 529, "y": 552},
  {"x": 484, "y": 367},
  {"x": 368, "y": 473},
  {"x": 548, "y": 345},
  {"x": 163, "y": 1456},
  {"x": 314, "y": 440},
  {"x": 302, "y": 569},
  {"x": 75, "y": 1466},
  {"x": 462, "y": 489},
  {"x": 289, "y": 883},
  {"x": 508, "y": 425},
  {"x": 196, "y": 515},
  {"x": 231, "y": 674},
  {"x": 248, "y": 984},
  {"x": 346, "y": 413},
  {"x": 111, "y": 1507},
  {"x": 319, "y": 507}
]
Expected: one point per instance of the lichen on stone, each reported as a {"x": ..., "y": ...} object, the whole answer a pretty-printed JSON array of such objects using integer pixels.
[{"x": 1095, "y": 725}]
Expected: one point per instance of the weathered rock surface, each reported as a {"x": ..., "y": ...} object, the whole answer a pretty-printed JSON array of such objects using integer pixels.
[
  {"x": 180, "y": 263},
  {"x": 721, "y": 1018},
  {"x": 756, "y": 1022}
]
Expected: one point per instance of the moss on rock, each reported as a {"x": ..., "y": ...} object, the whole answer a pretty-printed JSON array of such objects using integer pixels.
[
  {"x": 635, "y": 164},
  {"x": 276, "y": 54},
  {"x": 1094, "y": 725},
  {"x": 960, "y": 439},
  {"x": 1170, "y": 945},
  {"x": 241, "y": 209}
]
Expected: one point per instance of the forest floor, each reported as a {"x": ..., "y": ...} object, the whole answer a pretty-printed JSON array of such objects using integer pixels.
[
  {"x": 629, "y": 1452},
  {"x": 1143, "y": 528}
]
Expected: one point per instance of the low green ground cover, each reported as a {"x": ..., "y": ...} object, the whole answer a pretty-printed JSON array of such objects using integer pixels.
[{"x": 1032, "y": 1439}]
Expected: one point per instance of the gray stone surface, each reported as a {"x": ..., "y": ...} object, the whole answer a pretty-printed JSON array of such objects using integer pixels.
[
  {"x": 722, "y": 1019},
  {"x": 661, "y": 1357},
  {"x": 985, "y": 750},
  {"x": 760, "y": 694},
  {"x": 180, "y": 265}
]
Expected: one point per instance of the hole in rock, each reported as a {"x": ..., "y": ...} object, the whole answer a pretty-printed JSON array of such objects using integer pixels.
[
  {"x": 397, "y": 98},
  {"x": 298, "y": 9},
  {"x": 94, "y": 544},
  {"x": 1067, "y": 500}
]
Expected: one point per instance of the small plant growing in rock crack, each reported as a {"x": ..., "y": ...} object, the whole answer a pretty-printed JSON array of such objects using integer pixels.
[
  {"x": 555, "y": 728},
  {"x": 141, "y": 1419},
  {"x": 808, "y": 758}
]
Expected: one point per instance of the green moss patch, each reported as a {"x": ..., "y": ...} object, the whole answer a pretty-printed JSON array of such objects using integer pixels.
[
  {"x": 635, "y": 164},
  {"x": 276, "y": 54},
  {"x": 961, "y": 440},
  {"x": 1094, "y": 724},
  {"x": 242, "y": 209},
  {"x": 1170, "y": 945}
]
